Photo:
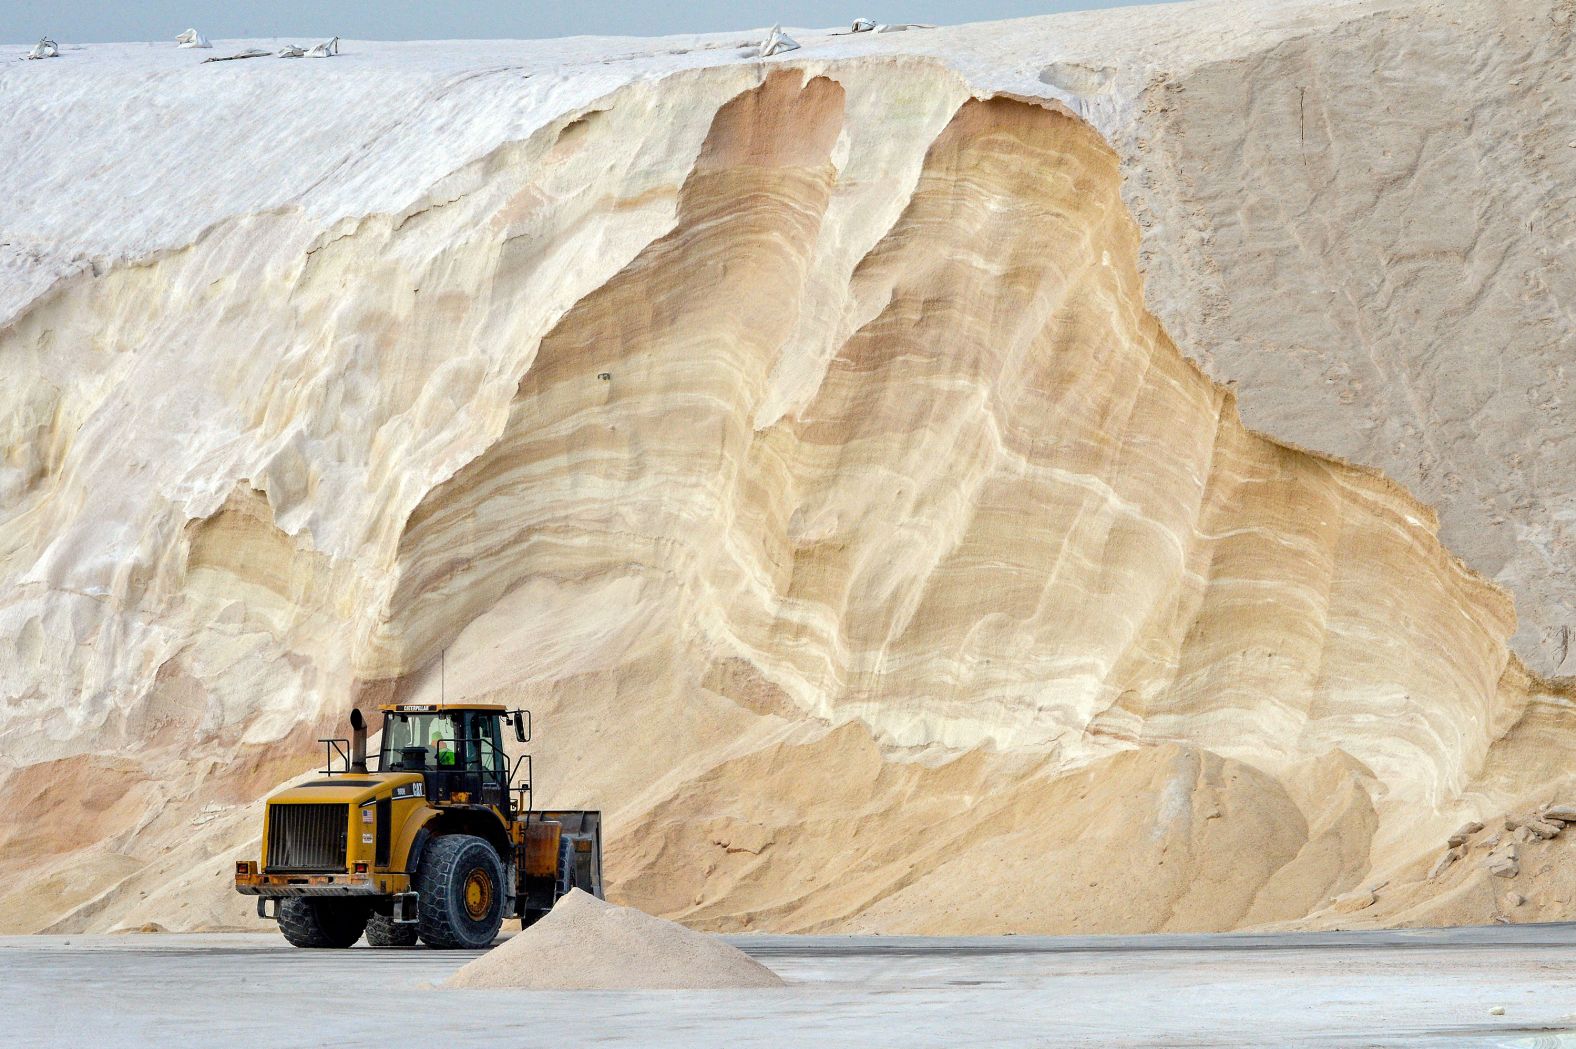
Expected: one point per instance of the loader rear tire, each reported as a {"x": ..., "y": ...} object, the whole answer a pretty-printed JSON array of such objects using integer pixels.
[
  {"x": 384, "y": 931},
  {"x": 308, "y": 921},
  {"x": 566, "y": 868},
  {"x": 460, "y": 893}
]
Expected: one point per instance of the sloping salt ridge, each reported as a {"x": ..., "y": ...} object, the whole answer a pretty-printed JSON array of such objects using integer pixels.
[{"x": 118, "y": 151}]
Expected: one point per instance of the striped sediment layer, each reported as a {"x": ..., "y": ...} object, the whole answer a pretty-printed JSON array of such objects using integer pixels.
[{"x": 798, "y": 444}]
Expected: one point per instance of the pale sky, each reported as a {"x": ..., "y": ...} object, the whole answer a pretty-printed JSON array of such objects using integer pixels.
[{"x": 93, "y": 21}]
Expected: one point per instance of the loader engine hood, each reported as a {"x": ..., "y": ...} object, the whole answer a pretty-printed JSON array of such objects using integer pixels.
[{"x": 351, "y": 789}]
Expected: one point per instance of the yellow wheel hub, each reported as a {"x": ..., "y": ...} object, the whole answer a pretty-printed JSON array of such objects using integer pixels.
[{"x": 478, "y": 894}]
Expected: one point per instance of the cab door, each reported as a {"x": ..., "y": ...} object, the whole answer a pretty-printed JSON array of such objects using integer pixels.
[{"x": 486, "y": 758}]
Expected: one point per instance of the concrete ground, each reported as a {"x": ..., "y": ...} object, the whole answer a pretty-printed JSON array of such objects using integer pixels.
[{"x": 1412, "y": 988}]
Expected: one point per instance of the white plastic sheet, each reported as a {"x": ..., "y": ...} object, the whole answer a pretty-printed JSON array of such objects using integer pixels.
[
  {"x": 192, "y": 38},
  {"x": 45, "y": 48},
  {"x": 777, "y": 42}
]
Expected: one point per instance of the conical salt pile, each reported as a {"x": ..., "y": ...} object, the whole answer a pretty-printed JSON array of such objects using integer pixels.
[{"x": 588, "y": 944}]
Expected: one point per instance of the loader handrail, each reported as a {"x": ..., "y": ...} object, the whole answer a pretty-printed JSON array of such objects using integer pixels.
[
  {"x": 489, "y": 766},
  {"x": 523, "y": 805},
  {"x": 331, "y": 747}
]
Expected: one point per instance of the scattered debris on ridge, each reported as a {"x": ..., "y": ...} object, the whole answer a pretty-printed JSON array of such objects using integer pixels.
[
  {"x": 777, "y": 42},
  {"x": 253, "y": 52}
]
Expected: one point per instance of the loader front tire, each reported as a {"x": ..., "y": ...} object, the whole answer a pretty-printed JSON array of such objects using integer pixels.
[
  {"x": 460, "y": 893},
  {"x": 309, "y": 921},
  {"x": 383, "y": 931}
]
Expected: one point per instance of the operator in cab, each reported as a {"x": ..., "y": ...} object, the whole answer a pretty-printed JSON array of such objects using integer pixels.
[{"x": 443, "y": 746}]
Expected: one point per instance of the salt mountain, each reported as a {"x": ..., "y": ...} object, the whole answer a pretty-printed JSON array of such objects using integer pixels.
[{"x": 803, "y": 440}]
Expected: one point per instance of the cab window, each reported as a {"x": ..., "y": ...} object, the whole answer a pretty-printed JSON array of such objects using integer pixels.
[{"x": 436, "y": 734}]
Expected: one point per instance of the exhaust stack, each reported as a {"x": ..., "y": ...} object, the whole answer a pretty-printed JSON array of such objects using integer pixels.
[{"x": 358, "y": 742}]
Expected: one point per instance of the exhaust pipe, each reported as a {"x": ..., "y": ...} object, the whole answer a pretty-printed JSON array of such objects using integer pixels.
[{"x": 358, "y": 742}]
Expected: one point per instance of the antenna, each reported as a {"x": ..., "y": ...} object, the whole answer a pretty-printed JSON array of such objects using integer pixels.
[{"x": 443, "y": 673}]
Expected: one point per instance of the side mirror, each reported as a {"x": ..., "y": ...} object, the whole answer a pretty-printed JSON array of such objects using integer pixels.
[{"x": 522, "y": 725}]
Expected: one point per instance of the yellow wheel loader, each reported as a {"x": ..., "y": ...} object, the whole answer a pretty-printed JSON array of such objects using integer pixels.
[{"x": 440, "y": 843}]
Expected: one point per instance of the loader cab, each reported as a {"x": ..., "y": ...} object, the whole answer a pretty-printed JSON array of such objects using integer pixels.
[{"x": 458, "y": 750}]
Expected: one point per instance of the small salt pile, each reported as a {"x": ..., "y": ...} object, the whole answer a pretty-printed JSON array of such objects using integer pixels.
[{"x": 588, "y": 944}]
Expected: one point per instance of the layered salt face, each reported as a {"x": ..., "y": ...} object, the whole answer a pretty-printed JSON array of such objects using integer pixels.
[{"x": 794, "y": 437}]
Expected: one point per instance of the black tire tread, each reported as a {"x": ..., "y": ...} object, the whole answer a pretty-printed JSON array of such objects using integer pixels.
[
  {"x": 566, "y": 869},
  {"x": 384, "y": 931},
  {"x": 437, "y": 884},
  {"x": 310, "y": 922}
]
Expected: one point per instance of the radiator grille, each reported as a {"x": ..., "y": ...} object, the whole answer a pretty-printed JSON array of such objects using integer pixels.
[{"x": 307, "y": 837}]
